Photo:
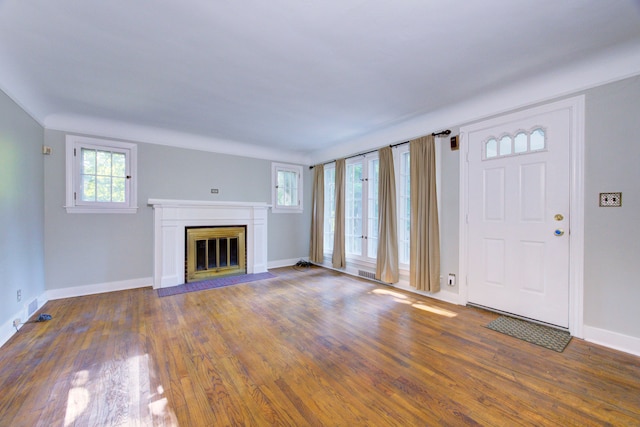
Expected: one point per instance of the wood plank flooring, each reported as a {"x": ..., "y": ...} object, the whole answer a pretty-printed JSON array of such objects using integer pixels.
[{"x": 307, "y": 348}]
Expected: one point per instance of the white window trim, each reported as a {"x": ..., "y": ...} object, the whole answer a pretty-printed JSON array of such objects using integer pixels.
[
  {"x": 368, "y": 259},
  {"x": 297, "y": 169},
  {"x": 73, "y": 173}
]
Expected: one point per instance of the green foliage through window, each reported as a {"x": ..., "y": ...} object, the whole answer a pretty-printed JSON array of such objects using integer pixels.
[
  {"x": 287, "y": 191},
  {"x": 103, "y": 176}
]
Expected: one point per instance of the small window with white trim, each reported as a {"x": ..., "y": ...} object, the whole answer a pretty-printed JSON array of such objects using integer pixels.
[
  {"x": 100, "y": 176},
  {"x": 286, "y": 188}
]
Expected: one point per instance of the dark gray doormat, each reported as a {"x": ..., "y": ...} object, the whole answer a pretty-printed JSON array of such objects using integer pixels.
[{"x": 544, "y": 336}]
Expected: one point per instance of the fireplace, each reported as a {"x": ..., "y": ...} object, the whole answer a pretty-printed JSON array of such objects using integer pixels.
[
  {"x": 173, "y": 217},
  {"x": 214, "y": 252}
]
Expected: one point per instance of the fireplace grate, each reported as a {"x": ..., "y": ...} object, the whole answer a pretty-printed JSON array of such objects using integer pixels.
[{"x": 214, "y": 252}]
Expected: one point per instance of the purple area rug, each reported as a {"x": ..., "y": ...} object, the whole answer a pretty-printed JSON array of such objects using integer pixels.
[{"x": 219, "y": 282}]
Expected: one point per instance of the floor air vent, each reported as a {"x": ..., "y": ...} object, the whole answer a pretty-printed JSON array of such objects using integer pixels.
[
  {"x": 33, "y": 306},
  {"x": 367, "y": 274}
]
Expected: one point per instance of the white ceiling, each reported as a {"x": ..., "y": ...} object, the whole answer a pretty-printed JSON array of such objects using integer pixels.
[{"x": 296, "y": 75}]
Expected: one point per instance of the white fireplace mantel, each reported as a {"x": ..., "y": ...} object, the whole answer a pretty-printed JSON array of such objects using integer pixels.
[{"x": 171, "y": 217}]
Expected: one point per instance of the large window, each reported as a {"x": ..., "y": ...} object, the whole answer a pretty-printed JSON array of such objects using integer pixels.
[
  {"x": 329, "y": 206},
  {"x": 361, "y": 207},
  {"x": 100, "y": 176},
  {"x": 287, "y": 188},
  {"x": 403, "y": 184}
]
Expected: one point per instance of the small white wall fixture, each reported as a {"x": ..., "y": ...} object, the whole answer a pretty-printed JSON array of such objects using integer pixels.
[{"x": 172, "y": 217}]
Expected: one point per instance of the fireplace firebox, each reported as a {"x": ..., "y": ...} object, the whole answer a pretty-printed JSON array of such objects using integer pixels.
[{"x": 214, "y": 252}]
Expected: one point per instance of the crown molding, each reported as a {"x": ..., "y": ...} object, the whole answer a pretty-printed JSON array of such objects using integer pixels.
[
  {"x": 136, "y": 133},
  {"x": 616, "y": 64}
]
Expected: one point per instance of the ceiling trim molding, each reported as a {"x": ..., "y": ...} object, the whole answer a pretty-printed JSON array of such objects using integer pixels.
[
  {"x": 616, "y": 64},
  {"x": 136, "y": 133}
]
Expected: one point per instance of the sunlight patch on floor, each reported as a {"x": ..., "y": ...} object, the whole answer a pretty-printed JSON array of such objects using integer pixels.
[
  {"x": 78, "y": 398},
  {"x": 421, "y": 305},
  {"x": 435, "y": 310},
  {"x": 116, "y": 383}
]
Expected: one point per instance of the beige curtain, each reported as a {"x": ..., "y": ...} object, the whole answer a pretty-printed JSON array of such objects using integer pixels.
[
  {"x": 339, "y": 259},
  {"x": 316, "y": 251},
  {"x": 424, "y": 272},
  {"x": 387, "y": 268}
]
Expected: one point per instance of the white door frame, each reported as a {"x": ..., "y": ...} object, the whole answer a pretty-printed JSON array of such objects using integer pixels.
[{"x": 576, "y": 208}]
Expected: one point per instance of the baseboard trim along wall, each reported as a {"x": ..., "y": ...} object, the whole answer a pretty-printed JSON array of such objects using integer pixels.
[
  {"x": 366, "y": 272},
  {"x": 443, "y": 295},
  {"x": 614, "y": 340},
  {"x": 285, "y": 262},
  {"x": 99, "y": 288}
]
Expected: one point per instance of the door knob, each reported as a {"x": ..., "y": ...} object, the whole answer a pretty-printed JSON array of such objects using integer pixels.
[
  {"x": 558, "y": 217},
  {"x": 559, "y": 232}
]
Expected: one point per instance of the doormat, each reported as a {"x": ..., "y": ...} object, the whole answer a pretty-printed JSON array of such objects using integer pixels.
[
  {"x": 544, "y": 336},
  {"x": 218, "y": 282}
]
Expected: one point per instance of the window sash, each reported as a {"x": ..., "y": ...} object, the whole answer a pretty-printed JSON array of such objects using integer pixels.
[
  {"x": 353, "y": 209},
  {"x": 286, "y": 183},
  {"x": 95, "y": 183},
  {"x": 329, "y": 208},
  {"x": 372, "y": 208},
  {"x": 100, "y": 180},
  {"x": 361, "y": 208},
  {"x": 287, "y": 188},
  {"x": 404, "y": 205}
]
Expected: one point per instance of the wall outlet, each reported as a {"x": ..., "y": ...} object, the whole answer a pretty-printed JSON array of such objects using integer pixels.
[
  {"x": 16, "y": 323},
  {"x": 452, "y": 280},
  {"x": 19, "y": 295}
]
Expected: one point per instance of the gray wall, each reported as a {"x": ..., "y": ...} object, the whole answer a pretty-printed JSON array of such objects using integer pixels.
[
  {"x": 612, "y": 235},
  {"x": 449, "y": 212},
  {"x": 86, "y": 249},
  {"x": 21, "y": 209}
]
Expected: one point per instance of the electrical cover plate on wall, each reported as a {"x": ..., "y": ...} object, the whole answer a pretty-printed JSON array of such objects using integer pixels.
[{"x": 610, "y": 199}]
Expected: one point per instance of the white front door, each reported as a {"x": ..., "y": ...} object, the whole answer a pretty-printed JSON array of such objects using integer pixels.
[{"x": 518, "y": 208}]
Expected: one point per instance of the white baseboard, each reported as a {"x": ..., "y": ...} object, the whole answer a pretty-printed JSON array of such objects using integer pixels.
[
  {"x": 99, "y": 288},
  {"x": 613, "y": 340},
  {"x": 444, "y": 295},
  {"x": 285, "y": 262},
  {"x": 7, "y": 330}
]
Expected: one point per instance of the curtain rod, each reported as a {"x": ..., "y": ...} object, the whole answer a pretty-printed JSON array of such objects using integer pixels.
[{"x": 441, "y": 133}]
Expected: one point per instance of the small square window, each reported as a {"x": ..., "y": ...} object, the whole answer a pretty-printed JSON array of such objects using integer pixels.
[
  {"x": 100, "y": 176},
  {"x": 286, "y": 188}
]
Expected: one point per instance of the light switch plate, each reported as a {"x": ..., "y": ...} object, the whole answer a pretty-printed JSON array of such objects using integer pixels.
[{"x": 609, "y": 200}]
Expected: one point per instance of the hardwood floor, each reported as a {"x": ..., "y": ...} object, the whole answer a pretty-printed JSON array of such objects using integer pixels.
[{"x": 307, "y": 348}]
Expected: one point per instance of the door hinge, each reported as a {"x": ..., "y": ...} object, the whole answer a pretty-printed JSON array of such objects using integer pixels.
[{"x": 74, "y": 195}]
